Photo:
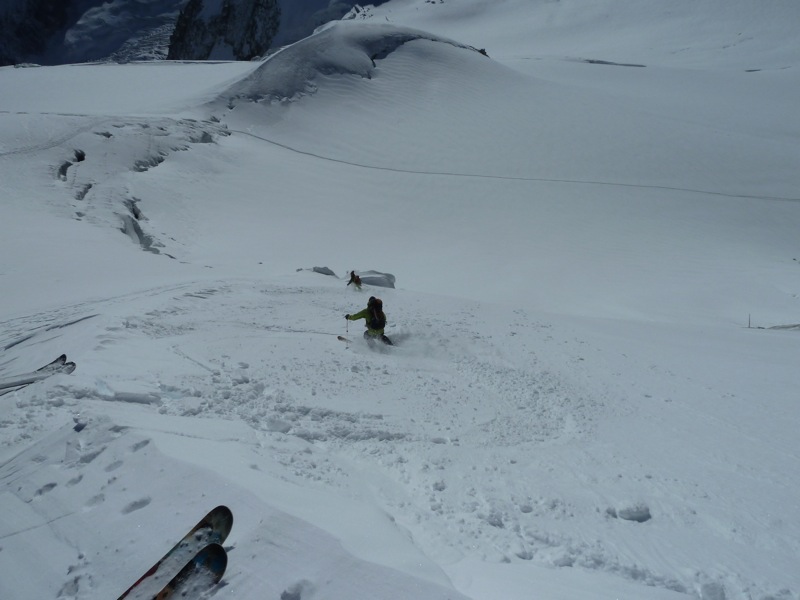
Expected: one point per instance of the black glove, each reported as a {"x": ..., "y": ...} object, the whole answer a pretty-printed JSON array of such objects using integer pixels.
[{"x": 347, "y": 316}]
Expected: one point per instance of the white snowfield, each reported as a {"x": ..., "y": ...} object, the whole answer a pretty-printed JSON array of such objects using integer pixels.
[{"x": 594, "y": 234}]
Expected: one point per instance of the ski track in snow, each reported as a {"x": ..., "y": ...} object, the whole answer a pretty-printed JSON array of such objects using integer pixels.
[
  {"x": 620, "y": 184},
  {"x": 452, "y": 392}
]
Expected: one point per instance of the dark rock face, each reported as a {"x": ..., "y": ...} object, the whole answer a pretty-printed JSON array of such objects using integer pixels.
[
  {"x": 53, "y": 32},
  {"x": 62, "y": 31},
  {"x": 26, "y": 29},
  {"x": 224, "y": 29}
]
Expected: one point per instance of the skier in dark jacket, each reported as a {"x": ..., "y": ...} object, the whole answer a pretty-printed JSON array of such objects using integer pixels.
[
  {"x": 355, "y": 279},
  {"x": 375, "y": 321}
]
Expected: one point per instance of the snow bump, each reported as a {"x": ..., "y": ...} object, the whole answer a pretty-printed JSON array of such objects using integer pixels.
[{"x": 340, "y": 48}]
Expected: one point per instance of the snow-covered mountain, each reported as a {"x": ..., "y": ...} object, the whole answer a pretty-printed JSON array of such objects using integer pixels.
[{"x": 591, "y": 227}]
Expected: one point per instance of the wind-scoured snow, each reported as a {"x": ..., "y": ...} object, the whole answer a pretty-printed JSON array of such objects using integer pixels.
[{"x": 595, "y": 308}]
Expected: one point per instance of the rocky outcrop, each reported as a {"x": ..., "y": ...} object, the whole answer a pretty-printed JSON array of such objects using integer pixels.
[
  {"x": 53, "y": 32},
  {"x": 72, "y": 31},
  {"x": 224, "y": 29},
  {"x": 27, "y": 27}
]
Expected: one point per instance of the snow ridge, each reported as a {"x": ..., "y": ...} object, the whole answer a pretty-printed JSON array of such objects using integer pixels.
[{"x": 339, "y": 48}]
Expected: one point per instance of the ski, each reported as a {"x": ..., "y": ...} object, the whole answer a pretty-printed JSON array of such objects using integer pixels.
[
  {"x": 370, "y": 343},
  {"x": 60, "y": 361},
  {"x": 200, "y": 574},
  {"x": 59, "y": 365},
  {"x": 211, "y": 529}
]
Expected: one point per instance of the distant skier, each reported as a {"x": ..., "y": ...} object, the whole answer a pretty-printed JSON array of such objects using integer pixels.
[
  {"x": 355, "y": 279},
  {"x": 375, "y": 321}
]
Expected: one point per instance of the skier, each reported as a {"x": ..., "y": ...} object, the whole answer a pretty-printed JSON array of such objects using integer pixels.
[
  {"x": 355, "y": 279},
  {"x": 375, "y": 321}
]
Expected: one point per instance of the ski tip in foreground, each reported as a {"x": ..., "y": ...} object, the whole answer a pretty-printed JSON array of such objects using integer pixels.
[
  {"x": 209, "y": 532},
  {"x": 200, "y": 574},
  {"x": 218, "y": 523}
]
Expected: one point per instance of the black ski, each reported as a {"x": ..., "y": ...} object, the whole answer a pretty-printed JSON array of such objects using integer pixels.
[
  {"x": 59, "y": 365},
  {"x": 60, "y": 361},
  {"x": 200, "y": 574},
  {"x": 211, "y": 529}
]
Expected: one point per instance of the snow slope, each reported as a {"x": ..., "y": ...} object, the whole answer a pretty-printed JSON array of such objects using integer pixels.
[{"x": 575, "y": 407}]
